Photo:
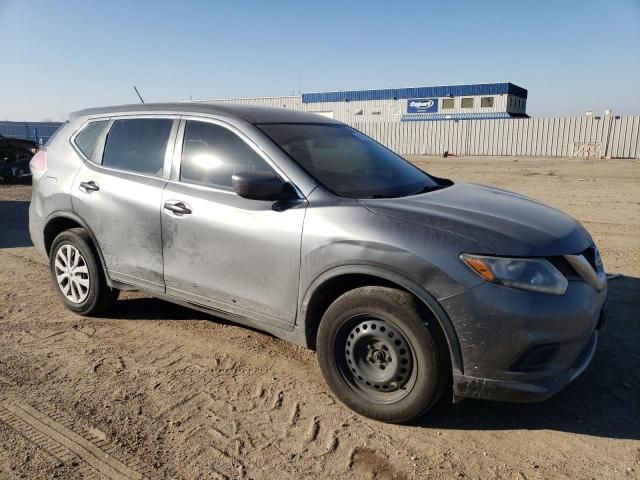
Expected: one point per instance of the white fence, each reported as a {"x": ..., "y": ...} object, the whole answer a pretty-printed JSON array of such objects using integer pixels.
[{"x": 617, "y": 137}]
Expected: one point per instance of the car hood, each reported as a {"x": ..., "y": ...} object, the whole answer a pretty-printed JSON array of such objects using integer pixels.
[{"x": 497, "y": 221}]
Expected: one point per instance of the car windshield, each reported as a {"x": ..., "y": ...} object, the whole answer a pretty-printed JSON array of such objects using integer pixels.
[{"x": 347, "y": 162}]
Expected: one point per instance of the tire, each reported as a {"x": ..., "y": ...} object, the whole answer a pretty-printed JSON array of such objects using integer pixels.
[
  {"x": 87, "y": 293},
  {"x": 382, "y": 355}
]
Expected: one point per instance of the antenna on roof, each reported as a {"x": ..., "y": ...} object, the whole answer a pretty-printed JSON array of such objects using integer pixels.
[{"x": 138, "y": 93}]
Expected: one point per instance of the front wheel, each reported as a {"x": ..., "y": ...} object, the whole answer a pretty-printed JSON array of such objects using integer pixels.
[{"x": 381, "y": 355}]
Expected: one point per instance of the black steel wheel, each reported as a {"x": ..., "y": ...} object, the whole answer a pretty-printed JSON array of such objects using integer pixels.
[
  {"x": 381, "y": 354},
  {"x": 377, "y": 360}
]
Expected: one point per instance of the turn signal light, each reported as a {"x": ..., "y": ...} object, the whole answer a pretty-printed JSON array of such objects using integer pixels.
[{"x": 481, "y": 267}]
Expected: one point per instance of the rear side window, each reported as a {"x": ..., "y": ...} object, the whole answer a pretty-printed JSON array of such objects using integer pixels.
[
  {"x": 211, "y": 154},
  {"x": 138, "y": 145},
  {"x": 86, "y": 140}
]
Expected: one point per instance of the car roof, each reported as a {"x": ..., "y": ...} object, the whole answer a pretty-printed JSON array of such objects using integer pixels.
[{"x": 250, "y": 113}]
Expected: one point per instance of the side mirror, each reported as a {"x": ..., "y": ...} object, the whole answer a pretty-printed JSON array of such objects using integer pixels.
[{"x": 260, "y": 186}]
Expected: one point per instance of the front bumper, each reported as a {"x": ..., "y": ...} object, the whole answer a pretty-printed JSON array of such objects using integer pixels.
[
  {"x": 520, "y": 346},
  {"x": 524, "y": 391}
]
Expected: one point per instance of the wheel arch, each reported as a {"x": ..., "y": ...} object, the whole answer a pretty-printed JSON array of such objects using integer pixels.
[
  {"x": 333, "y": 283},
  {"x": 59, "y": 221}
]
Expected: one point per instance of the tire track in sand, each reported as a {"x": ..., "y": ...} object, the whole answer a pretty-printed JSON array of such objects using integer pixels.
[{"x": 68, "y": 446}]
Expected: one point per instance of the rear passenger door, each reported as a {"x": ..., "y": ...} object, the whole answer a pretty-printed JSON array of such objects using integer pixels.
[
  {"x": 232, "y": 254},
  {"x": 118, "y": 193}
]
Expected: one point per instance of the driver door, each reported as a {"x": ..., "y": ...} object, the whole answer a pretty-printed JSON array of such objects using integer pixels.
[{"x": 220, "y": 250}]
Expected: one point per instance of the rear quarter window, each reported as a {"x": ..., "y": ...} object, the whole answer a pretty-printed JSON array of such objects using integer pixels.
[{"x": 88, "y": 137}]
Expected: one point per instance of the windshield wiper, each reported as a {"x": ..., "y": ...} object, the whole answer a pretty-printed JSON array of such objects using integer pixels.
[
  {"x": 424, "y": 189},
  {"x": 377, "y": 195},
  {"x": 427, "y": 189}
]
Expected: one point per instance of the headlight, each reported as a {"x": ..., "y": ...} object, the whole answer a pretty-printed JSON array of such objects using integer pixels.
[{"x": 535, "y": 274}]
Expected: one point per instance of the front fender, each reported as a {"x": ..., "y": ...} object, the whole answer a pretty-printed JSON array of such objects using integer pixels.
[{"x": 401, "y": 281}]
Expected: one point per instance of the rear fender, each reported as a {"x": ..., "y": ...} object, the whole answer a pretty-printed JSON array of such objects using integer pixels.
[{"x": 74, "y": 217}]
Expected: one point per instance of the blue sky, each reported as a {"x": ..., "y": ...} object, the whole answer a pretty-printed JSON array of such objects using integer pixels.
[{"x": 61, "y": 56}]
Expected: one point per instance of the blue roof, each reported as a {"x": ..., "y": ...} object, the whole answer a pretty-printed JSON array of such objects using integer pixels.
[
  {"x": 417, "y": 92},
  {"x": 29, "y": 130}
]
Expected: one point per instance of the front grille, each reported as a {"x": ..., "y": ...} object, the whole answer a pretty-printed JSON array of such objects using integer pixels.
[
  {"x": 590, "y": 255},
  {"x": 564, "y": 268}
]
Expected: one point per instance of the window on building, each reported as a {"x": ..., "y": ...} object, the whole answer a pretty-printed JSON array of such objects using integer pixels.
[
  {"x": 487, "y": 102},
  {"x": 137, "y": 145},
  {"x": 376, "y": 111},
  {"x": 447, "y": 103},
  {"x": 467, "y": 102},
  {"x": 358, "y": 111},
  {"x": 86, "y": 140},
  {"x": 211, "y": 154}
]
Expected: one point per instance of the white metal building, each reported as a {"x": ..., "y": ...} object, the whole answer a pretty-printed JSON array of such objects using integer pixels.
[{"x": 447, "y": 102}]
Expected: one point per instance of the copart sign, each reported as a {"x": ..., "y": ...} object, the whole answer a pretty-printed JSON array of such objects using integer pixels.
[{"x": 422, "y": 105}]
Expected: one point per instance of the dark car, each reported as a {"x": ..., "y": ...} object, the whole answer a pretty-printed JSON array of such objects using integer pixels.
[{"x": 15, "y": 155}]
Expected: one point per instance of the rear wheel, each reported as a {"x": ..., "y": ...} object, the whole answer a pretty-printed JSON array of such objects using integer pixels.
[
  {"x": 380, "y": 355},
  {"x": 77, "y": 274}
]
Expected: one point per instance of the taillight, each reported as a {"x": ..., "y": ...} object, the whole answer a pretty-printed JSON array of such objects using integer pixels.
[{"x": 38, "y": 162}]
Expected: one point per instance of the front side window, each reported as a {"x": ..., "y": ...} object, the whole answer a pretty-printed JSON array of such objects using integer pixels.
[
  {"x": 467, "y": 102},
  {"x": 347, "y": 162},
  {"x": 86, "y": 140},
  {"x": 211, "y": 154},
  {"x": 137, "y": 145}
]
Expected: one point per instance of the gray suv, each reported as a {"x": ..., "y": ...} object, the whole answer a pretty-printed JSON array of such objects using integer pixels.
[{"x": 407, "y": 285}]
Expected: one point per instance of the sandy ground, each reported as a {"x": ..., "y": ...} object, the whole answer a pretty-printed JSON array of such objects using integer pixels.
[{"x": 159, "y": 391}]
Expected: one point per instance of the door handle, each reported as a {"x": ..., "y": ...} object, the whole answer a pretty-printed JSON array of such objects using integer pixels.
[
  {"x": 177, "y": 207},
  {"x": 90, "y": 186}
]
